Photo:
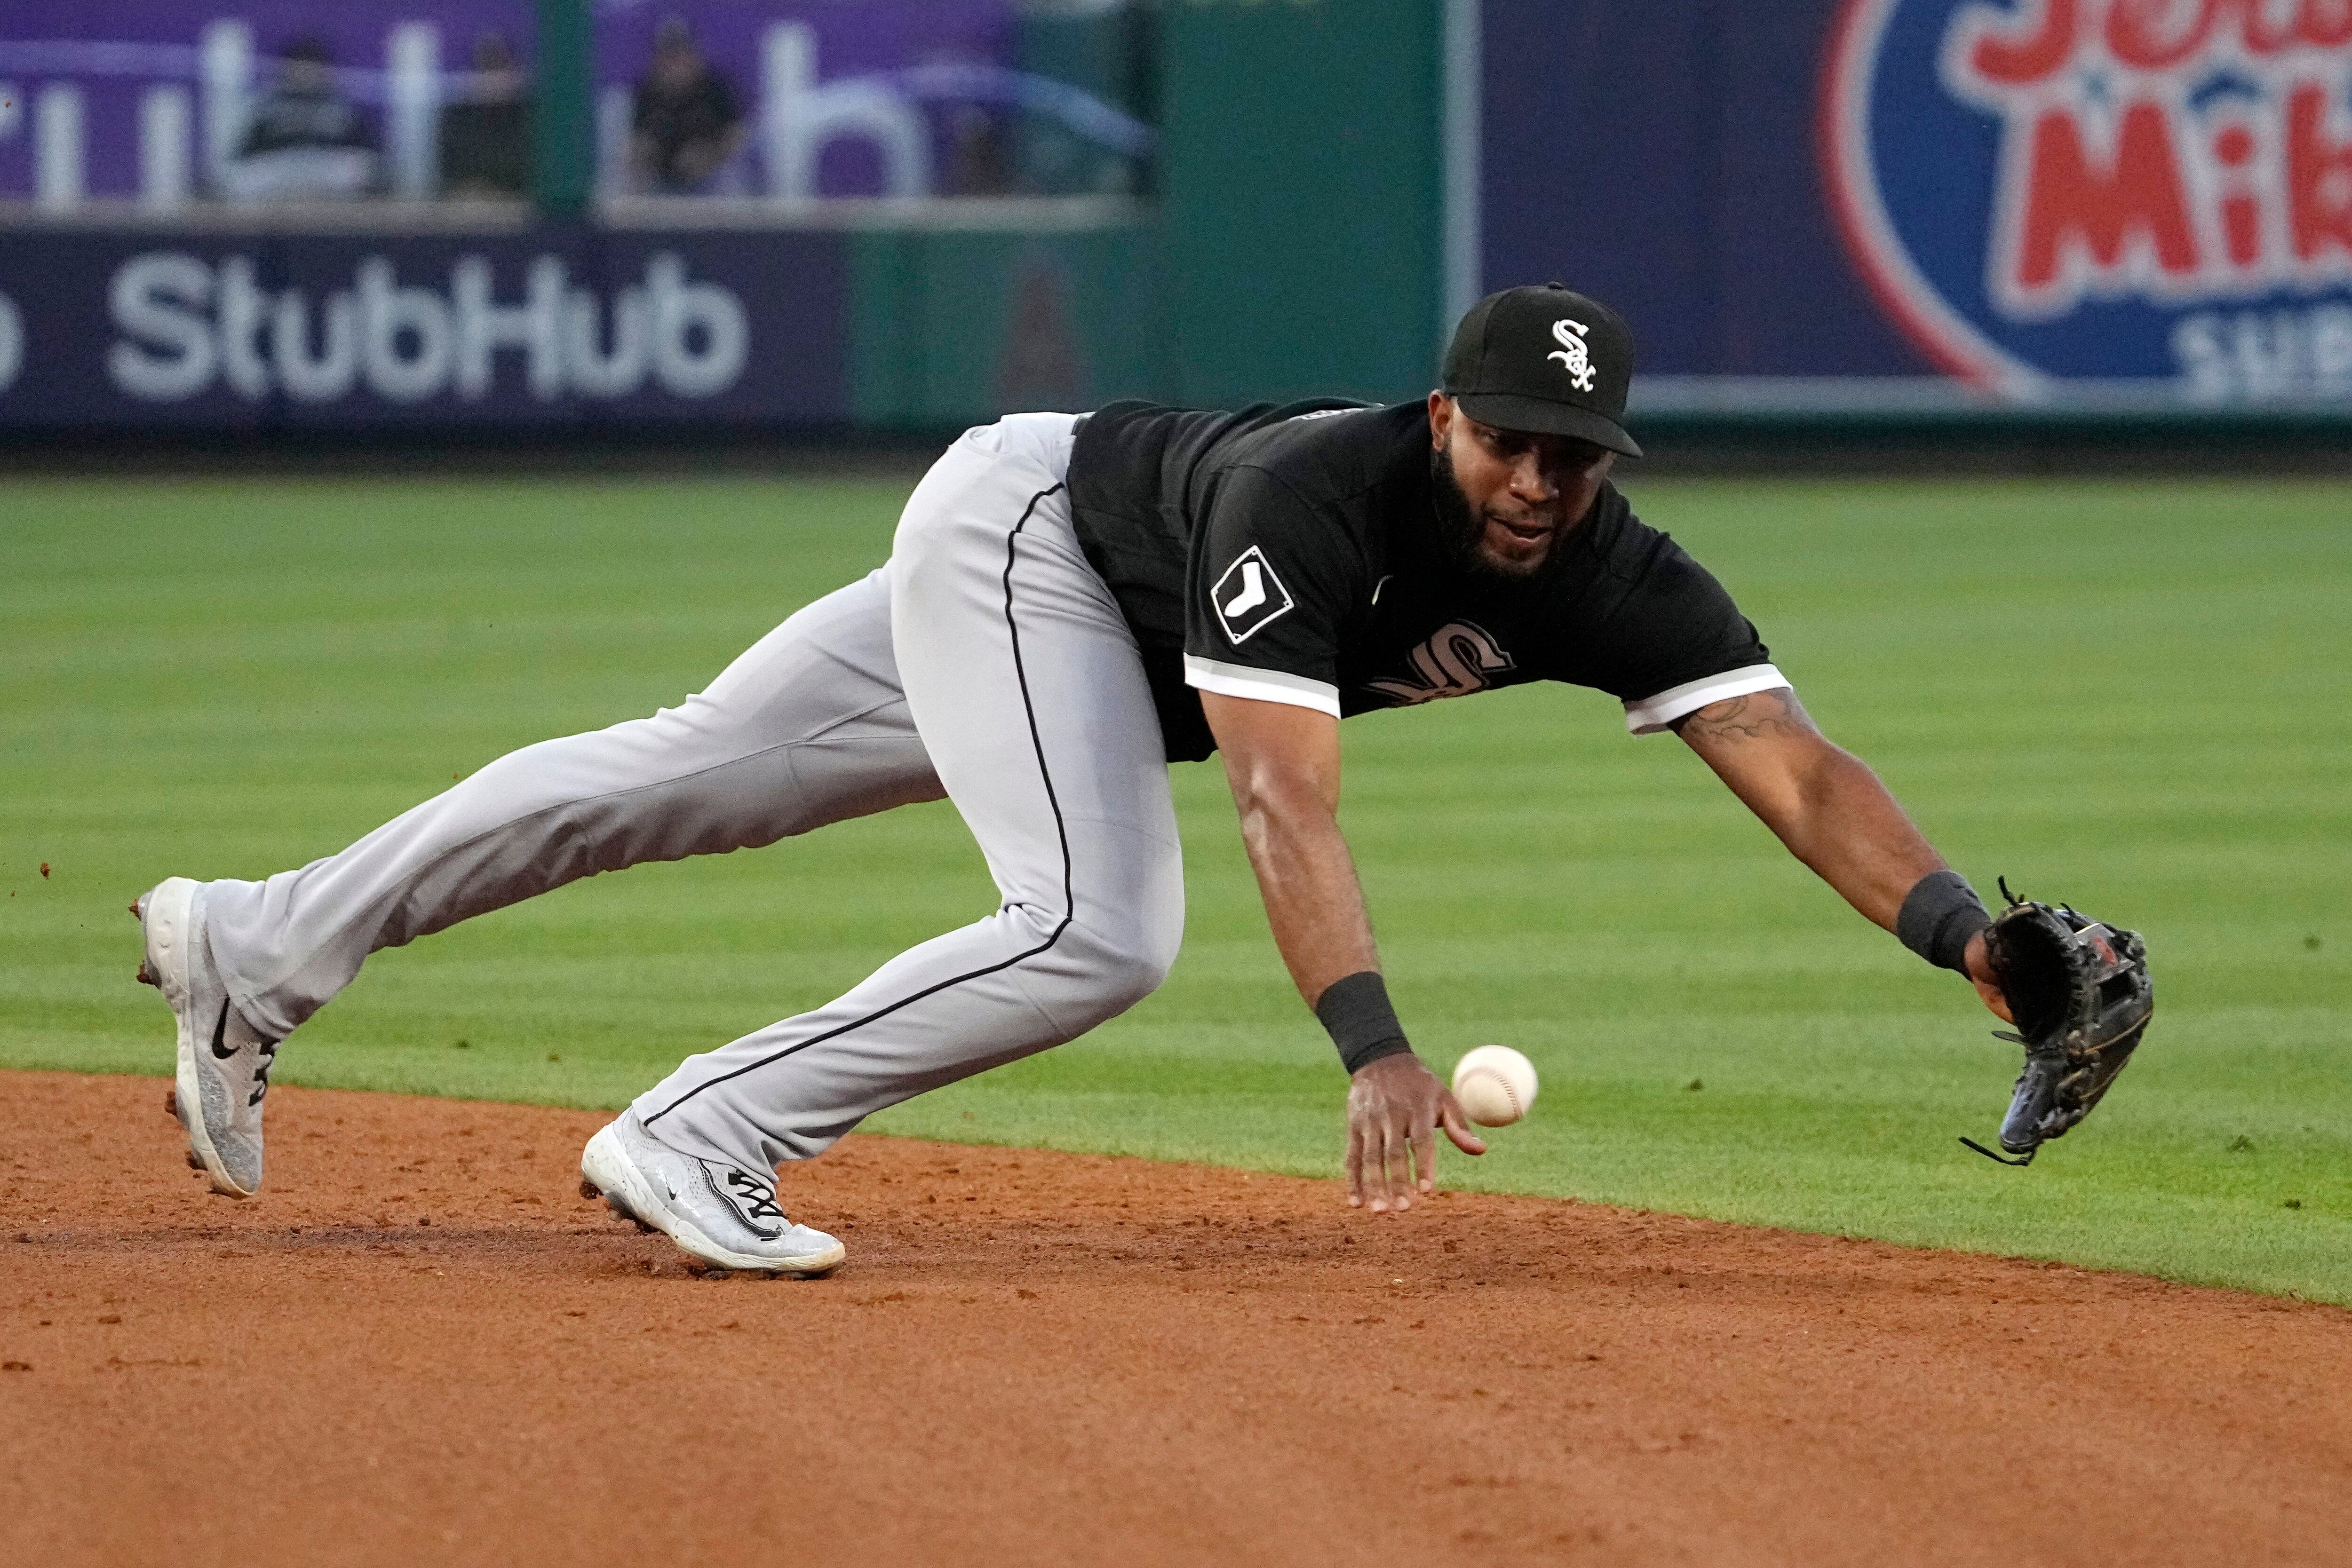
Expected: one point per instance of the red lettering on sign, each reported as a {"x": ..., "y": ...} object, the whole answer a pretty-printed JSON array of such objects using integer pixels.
[
  {"x": 2034, "y": 55},
  {"x": 2323, "y": 23},
  {"x": 2157, "y": 35},
  {"x": 2069, "y": 199},
  {"x": 2149, "y": 34},
  {"x": 2318, "y": 177},
  {"x": 2242, "y": 211}
]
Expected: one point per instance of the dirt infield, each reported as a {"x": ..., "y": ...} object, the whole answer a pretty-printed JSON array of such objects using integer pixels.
[{"x": 420, "y": 1347}]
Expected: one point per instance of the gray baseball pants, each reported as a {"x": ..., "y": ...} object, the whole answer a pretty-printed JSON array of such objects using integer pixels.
[{"x": 986, "y": 661}]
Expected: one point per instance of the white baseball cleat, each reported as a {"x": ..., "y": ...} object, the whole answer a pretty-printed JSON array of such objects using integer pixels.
[
  {"x": 723, "y": 1214},
  {"x": 224, "y": 1063}
]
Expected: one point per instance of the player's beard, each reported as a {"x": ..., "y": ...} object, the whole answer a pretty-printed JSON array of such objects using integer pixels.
[{"x": 1462, "y": 531}]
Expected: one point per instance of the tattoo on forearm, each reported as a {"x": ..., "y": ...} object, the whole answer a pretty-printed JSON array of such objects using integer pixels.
[{"x": 1752, "y": 717}]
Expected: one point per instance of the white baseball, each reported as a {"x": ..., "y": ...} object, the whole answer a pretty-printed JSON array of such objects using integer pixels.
[{"x": 1496, "y": 1085}]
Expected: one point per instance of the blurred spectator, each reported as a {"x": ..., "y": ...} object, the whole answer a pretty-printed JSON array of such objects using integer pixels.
[
  {"x": 304, "y": 144},
  {"x": 686, "y": 126},
  {"x": 486, "y": 137},
  {"x": 975, "y": 155}
]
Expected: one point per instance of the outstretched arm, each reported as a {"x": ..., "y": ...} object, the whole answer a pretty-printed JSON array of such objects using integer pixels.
[
  {"x": 1283, "y": 762},
  {"x": 1826, "y": 805}
]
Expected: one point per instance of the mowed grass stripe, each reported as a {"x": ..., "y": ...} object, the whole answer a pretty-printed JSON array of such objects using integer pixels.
[{"x": 2128, "y": 695}]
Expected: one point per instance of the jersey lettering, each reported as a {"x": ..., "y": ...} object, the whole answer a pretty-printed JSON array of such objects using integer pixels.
[
  {"x": 1459, "y": 658},
  {"x": 1248, "y": 596}
]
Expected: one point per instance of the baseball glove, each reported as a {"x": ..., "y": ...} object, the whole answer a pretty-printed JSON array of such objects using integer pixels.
[{"x": 2080, "y": 994}]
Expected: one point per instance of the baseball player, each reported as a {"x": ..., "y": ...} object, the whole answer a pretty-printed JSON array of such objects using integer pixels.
[{"x": 1071, "y": 603}]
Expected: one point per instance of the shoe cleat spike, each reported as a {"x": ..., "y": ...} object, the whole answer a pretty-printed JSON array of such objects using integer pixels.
[
  {"x": 589, "y": 1189},
  {"x": 135, "y": 914},
  {"x": 146, "y": 977}
]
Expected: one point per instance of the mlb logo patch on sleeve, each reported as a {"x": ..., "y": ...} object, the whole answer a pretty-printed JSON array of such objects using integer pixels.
[{"x": 1248, "y": 596}]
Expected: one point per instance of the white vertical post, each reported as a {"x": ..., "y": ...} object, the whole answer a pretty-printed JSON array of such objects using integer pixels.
[
  {"x": 1464, "y": 162},
  {"x": 167, "y": 121},
  {"x": 227, "y": 64},
  {"x": 413, "y": 108},
  {"x": 57, "y": 162},
  {"x": 12, "y": 342},
  {"x": 615, "y": 110},
  {"x": 787, "y": 76}
]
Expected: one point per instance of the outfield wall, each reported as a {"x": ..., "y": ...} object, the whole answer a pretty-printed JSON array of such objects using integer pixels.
[
  {"x": 1928, "y": 210},
  {"x": 1282, "y": 240}
]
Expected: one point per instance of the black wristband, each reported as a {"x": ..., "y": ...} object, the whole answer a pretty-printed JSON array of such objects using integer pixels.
[
  {"x": 1939, "y": 914},
  {"x": 1362, "y": 1024}
]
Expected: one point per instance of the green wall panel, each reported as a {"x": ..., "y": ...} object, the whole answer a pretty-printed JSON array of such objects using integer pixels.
[
  {"x": 955, "y": 328},
  {"x": 563, "y": 130},
  {"x": 1297, "y": 249},
  {"x": 1300, "y": 190}
]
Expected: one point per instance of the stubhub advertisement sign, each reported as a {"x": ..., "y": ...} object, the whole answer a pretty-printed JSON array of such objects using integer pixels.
[
  {"x": 320, "y": 331},
  {"x": 2040, "y": 190}
]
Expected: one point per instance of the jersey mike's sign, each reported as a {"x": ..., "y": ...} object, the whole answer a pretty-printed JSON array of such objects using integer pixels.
[{"x": 2046, "y": 190}]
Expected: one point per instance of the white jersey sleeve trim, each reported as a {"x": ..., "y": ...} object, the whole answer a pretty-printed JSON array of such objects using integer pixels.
[
  {"x": 1651, "y": 715},
  {"x": 1263, "y": 686}
]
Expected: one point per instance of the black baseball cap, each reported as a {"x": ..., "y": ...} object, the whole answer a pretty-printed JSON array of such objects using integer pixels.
[{"x": 1548, "y": 359}]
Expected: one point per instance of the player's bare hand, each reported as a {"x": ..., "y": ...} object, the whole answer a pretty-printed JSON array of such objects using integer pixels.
[
  {"x": 1981, "y": 974},
  {"x": 1395, "y": 1106}
]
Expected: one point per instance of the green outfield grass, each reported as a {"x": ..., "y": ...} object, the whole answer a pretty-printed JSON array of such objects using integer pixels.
[{"x": 2133, "y": 695}]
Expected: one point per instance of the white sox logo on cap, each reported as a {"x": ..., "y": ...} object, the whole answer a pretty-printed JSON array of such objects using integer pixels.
[
  {"x": 1573, "y": 352},
  {"x": 1248, "y": 596},
  {"x": 1503, "y": 369}
]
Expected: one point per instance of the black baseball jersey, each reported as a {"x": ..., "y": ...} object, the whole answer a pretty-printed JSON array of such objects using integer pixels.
[{"x": 1293, "y": 555}]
